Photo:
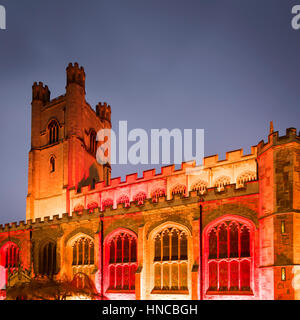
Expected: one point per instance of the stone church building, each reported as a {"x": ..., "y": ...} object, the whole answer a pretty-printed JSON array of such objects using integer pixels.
[{"x": 229, "y": 229}]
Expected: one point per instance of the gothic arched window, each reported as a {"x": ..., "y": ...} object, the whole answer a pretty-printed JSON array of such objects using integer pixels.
[
  {"x": 107, "y": 203},
  {"x": 53, "y": 132},
  {"x": 179, "y": 189},
  {"x": 52, "y": 164},
  {"x": 83, "y": 252},
  {"x": 11, "y": 256},
  {"x": 47, "y": 259},
  {"x": 170, "y": 259},
  {"x": 245, "y": 177},
  {"x": 229, "y": 257},
  {"x": 122, "y": 266},
  {"x": 157, "y": 193},
  {"x": 124, "y": 199},
  {"x": 221, "y": 182},
  {"x": 79, "y": 208},
  {"x": 91, "y": 206},
  {"x": 200, "y": 186},
  {"x": 140, "y": 197}
]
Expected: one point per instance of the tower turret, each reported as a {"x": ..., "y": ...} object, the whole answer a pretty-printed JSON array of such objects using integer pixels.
[
  {"x": 75, "y": 74},
  {"x": 103, "y": 111},
  {"x": 40, "y": 97},
  {"x": 62, "y": 155},
  {"x": 75, "y": 98},
  {"x": 40, "y": 93}
]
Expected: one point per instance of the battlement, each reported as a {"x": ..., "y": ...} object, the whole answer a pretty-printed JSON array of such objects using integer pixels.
[
  {"x": 169, "y": 172},
  {"x": 75, "y": 74},
  {"x": 103, "y": 111},
  {"x": 55, "y": 101},
  {"x": 193, "y": 197},
  {"x": 40, "y": 93},
  {"x": 231, "y": 156},
  {"x": 274, "y": 139}
]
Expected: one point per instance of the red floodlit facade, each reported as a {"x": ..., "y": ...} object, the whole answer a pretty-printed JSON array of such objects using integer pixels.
[{"x": 229, "y": 229}]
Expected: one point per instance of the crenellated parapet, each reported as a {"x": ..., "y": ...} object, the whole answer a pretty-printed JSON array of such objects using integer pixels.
[
  {"x": 231, "y": 156},
  {"x": 274, "y": 139},
  {"x": 15, "y": 226},
  {"x": 236, "y": 169},
  {"x": 40, "y": 93},
  {"x": 55, "y": 101},
  {"x": 103, "y": 111},
  {"x": 148, "y": 204},
  {"x": 75, "y": 74}
]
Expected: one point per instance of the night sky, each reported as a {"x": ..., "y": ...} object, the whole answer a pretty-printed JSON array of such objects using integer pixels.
[{"x": 227, "y": 66}]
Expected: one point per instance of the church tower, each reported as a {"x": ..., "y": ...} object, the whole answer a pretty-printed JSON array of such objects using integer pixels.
[
  {"x": 63, "y": 145},
  {"x": 279, "y": 215}
]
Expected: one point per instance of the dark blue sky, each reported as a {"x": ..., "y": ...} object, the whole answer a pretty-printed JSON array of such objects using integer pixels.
[{"x": 228, "y": 66}]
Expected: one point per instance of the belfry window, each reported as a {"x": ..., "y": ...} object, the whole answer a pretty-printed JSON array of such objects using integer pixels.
[
  {"x": 83, "y": 252},
  {"x": 53, "y": 132},
  {"x": 47, "y": 259},
  {"x": 170, "y": 260},
  {"x": 122, "y": 262},
  {"x": 229, "y": 257},
  {"x": 282, "y": 227},
  {"x": 93, "y": 142}
]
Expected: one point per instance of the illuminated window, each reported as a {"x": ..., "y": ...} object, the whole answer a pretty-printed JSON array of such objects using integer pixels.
[
  {"x": 157, "y": 193},
  {"x": 245, "y": 177},
  {"x": 221, "y": 182},
  {"x": 122, "y": 262},
  {"x": 200, "y": 186},
  {"x": 79, "y": 208},
  {"x": 52, "y": 164},
  {"x": 47, "y": 259},
  {"x": 179, "y": 189},
  {"x": 93, "y": 142},
  {"x": 282, "y": 226},
  {"x": 107, "y": 203},
  {"x": 140, "y": 197},
  {"x": 283, "y": 274},
  {"x": 83, "y": 252},
  {"x": 11, "y": 256},
  {"x": 229, "y": 257},
  {"x": 124, "y": 200},
  {"x": 53, "y": 132},
  {"x": 170, "y": 260},
  {"x": 91, "y": 206}
]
